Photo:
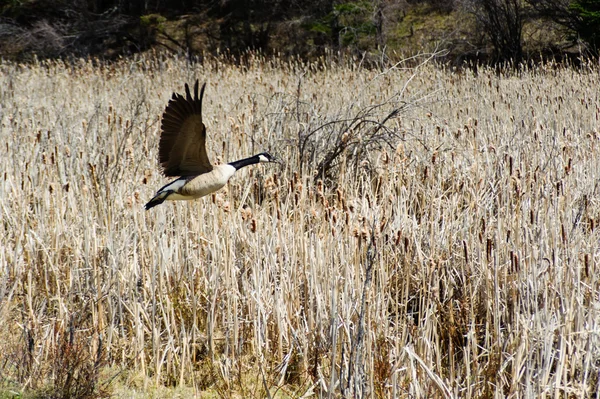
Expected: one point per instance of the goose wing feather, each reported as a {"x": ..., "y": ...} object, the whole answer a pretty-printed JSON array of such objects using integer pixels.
[{"x": 182, "y": 147}]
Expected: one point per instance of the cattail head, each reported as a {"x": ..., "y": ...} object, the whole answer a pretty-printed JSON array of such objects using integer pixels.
[
  {"x": 246, "y": 213},
  {"x": 226, "y": 206}
]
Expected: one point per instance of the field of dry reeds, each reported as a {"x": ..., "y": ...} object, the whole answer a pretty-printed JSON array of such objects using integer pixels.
[{"x": 429, "y": 233}]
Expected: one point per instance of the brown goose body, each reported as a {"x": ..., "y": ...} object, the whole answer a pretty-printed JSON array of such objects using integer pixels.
[{"x": 182, "y": 152}]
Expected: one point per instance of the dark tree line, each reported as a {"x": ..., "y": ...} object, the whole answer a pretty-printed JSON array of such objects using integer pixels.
[
  {"x": 502, "y": 22},
  {"x": 79, "y": 27},
  {"x": 580, "y": 17},
  {"x": 107, "y": 28}
]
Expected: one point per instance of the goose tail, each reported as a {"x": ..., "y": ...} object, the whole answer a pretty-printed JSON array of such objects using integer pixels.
[{"x": 158, "y": 199}]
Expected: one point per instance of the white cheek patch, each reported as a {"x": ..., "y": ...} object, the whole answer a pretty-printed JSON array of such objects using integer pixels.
[
  {"x": 229, "y": 171},
  {"x": 262, "y": 158}
]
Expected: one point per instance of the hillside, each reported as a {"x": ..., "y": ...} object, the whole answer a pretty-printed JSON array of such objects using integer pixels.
[{"x": 376, "y": 31}]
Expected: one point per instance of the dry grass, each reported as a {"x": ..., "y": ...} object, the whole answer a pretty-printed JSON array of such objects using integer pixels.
[{"x": 461, "y": 261}]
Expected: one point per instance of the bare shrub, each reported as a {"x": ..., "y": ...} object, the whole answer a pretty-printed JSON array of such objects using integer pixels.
[
  {"x": 42, "y": 38},
  {"x": 77, "y": 365},
  {"x": 9, "y": 31},
  {"x": 74, "y": 360},
  {"x": 68, "y": 32},
  {"x": 355, "y": 130},
  {"x": 501, "y": 22}
]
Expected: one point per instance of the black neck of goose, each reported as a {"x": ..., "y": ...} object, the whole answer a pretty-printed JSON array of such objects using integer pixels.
[{"x": 245, "y": 162}]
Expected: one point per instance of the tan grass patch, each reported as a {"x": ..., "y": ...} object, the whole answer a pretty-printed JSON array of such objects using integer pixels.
[{"x": 482, "y": 219}]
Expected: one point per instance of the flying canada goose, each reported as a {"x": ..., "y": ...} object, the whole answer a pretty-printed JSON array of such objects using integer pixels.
[{"x": 182, "y": 152}]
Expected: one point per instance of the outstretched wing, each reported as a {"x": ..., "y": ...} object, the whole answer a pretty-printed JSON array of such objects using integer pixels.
[{"x": 182, "y": 147}]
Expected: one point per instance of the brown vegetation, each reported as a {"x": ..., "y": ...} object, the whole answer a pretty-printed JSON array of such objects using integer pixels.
[{"x": 459, "y": 258}]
